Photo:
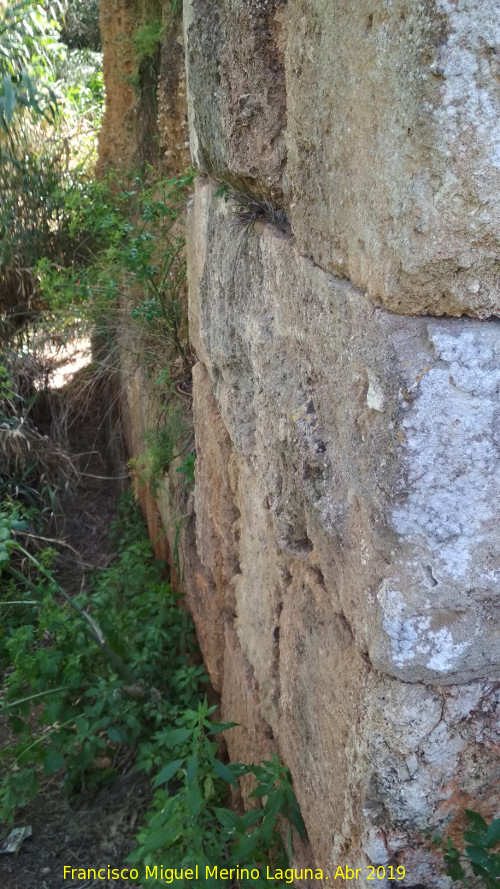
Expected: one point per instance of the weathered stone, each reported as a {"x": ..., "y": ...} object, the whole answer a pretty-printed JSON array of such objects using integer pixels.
[
  {"x": 345, "y": 581},
  {"x": 368, "y": 446},
  {"x": 259, "y": 585},
  {"x": 322, "y": 675},
  {"x": 251, "y": 739},
  {"x": 365, "y": 475},
  {"x": 236, "y": 91},
  {"x": 118, "y": 137},
  {"x": 394, "y": 148},
  {"x": 210, "y": 593},
  {"x": 146, "y": 110}
]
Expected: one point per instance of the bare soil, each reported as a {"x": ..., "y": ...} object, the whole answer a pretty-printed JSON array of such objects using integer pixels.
[{"x": 97, "y": 829}]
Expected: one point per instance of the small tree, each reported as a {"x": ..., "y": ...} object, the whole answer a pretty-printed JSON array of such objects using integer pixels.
[{"x": 29, "y": 48}]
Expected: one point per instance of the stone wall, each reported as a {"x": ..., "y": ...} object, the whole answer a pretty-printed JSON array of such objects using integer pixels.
[
  {"x": 146, "y": 123},
  {"x": 342, "y": 554},
  {"x": 346, "y": 413}
]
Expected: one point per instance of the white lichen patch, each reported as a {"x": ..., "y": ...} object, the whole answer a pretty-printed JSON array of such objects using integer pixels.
[
  {"x": 451, "y": 448},
  {"x": 375, "y": 395},
  {"x": 411, "y": 636}
]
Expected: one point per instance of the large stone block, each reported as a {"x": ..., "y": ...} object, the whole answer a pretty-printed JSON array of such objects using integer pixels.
[
  {"x": 394, "y": 148},
  {"x": 259, "y": 586},
  {"x": 376, "y": 762},
  {"x": 210, "y": 587},
  {"x": 236, "y": 90},
  {"x": 364, "y": 474},
  {"x": 375, "y": 440}
]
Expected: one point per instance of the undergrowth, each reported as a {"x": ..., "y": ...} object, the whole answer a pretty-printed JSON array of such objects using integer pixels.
[
  {"x": 477, "y": 863},
  {"x": 117, "y": 666},
  {"x": 135, "y": 246}
]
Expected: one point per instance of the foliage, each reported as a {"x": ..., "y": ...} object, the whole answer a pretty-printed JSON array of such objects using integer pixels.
[
  {"x": 36, "y": 190},
  {"x": 50, "y": 104},
  {"x": 80, "y": 27},
  {"x": 134, "y": 232},
  {"x": 188, "y": 823},
  {"x": 88, "y": 707},
  {"x": 187, "y": 470},
  {"x": 147, "y": 39},
  {"x": 115, "y": 665},
  {"x": 478, "y": 854},
  {"x": 29, "y": 47},
  {"x": 165, "y": 444},
  {"x": 140, "y": 686}
]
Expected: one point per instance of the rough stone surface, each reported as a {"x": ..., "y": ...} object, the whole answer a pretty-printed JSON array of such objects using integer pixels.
[
  {"x": 364, "y": 472},
  {"x": 210, "y": 591},
  {"x": 344, "y": 581},
  {"x": 394, "y": 148},
  {"x": 171, "y": 94},
  {"x": 117, "y": 139},
  {"x": 251, "y": 739},
  {"x": 236, "y": 90},
  {"x": 145, "y": 122},
  {"x": 322, "y": 675},
  {"x": 378, "y": 449}
]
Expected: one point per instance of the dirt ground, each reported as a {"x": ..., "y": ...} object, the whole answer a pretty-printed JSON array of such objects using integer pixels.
[{"x": 98, "y": 830}]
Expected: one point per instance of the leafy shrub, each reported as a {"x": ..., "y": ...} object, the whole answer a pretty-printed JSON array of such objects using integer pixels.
[
  {"x": 478, "y": 855},
  {"x": 80, "y": 28},
  {"x": 133, "y": 231},
  {"x": 29, "y": 46},
  {"x": 117, "y": 665}
]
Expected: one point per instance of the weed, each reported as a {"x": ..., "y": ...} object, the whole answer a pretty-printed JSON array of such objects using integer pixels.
[
  {"x": 135, "y": 241},
  {"x": 133, "y": 680},
  {"x": 477, "y": 856},
  {"x": 248, "y": 210},
  {"x": 147, "y": 39},
  {"x": 166, "y": 443},
  {"x": 223, "y": 191},
  {"x": 187, "y": 470}
]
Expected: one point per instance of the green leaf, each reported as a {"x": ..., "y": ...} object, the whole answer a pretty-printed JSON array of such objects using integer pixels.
[
  {"x": 455, "y": 869},
  {"x": 260, "y": 791},
  {"x": 251, "y": 818},
  {"x": 476, "y": 821},
  {"x": 297, "y": 820},
  {"x": 477, "y": 856},
  {"x": 194, "y": 798},
  {"x": 493, "y": 834},
  {"x": 247, "y": 845},
  {"x": 175, "y": 737},
  {"x": 191, "y": 768},
  {"x": 217, "y": 727},
  {"x": 229, "y": 819},
  {"x": 271, "y": 811},
  {"x": 53, "y": 760},
  {"x": 167, "y": 772},
  {"x": 222, "y": 771},
  {"x": 115, "y": 735}
]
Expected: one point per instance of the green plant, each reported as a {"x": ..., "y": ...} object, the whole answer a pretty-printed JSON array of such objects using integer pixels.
[
  {"x": 80, "y": 25},
  {"x": 188, "y": 822},
  {"x": 146, "y": 39},
  {"x": 223, "y": 191},
  {"x": 146, "y": 42},
  {"x": 165, "y": 444},
  {"x": 44, "y": 155},
  {"x": 133, "y": 233},
  {"x": 28, "y": 47},
  {"x": 187, "y": 470},
  {"x": 90, "y": 636},
  {"x": 478, "y": 855},
  {"x": 118, "y": 665}
]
